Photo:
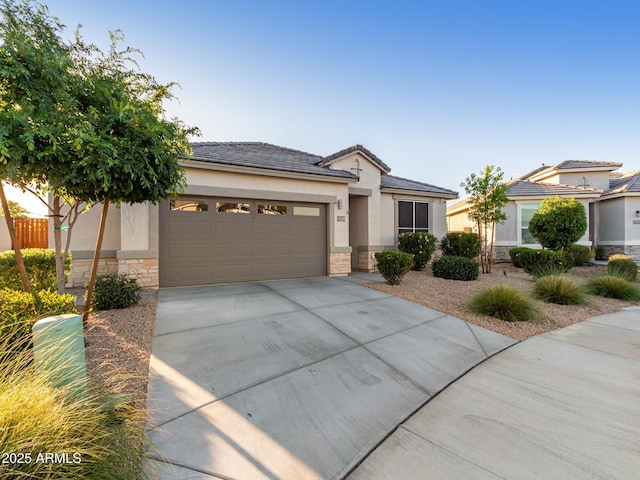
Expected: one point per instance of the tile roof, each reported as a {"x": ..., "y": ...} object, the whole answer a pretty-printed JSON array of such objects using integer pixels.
[
  {"x": 525, "y": 188},
  {"x": 327, "y": 160},
  {"x": 627, "y": 183},
  {"x": 587, "y": 164},
  {"x": 391, "y": 181},
  {"x": 263, "y": 155}
]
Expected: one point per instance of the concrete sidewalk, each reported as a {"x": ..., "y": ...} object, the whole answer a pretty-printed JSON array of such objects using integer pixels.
[
  {"x": 296, "y": 379},
  {"x": 562, "y": 405}
]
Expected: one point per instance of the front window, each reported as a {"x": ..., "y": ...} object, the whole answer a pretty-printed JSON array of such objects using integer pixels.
[
  {"x": 413, "y": 217},
  {"x": 527, "y": 211}
]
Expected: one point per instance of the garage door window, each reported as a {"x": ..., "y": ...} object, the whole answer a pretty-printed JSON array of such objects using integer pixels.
[
  {"x": 413, "y": 217},
  {"x": 232, "y": 207},
  {"x": 272, "y": 209},
  {"x": 189, "y": 205},
  {"x": 306, "y": 211}
]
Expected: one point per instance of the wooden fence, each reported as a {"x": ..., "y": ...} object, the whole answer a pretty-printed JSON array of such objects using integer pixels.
[{"x": 32, "y": 232}]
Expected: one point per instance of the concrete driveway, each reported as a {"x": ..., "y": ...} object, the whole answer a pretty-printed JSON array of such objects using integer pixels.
[{"x": 296, "y": 379}]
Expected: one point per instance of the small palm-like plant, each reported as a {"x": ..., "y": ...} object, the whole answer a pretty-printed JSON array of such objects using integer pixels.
[
  {"x": 504, "y": 302},
  {"x": 613, "y": 287},
  {"x": 558, "y": 289}
]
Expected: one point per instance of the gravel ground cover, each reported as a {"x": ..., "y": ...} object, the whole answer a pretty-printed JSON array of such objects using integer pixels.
[{"x": 453, "y": 297}]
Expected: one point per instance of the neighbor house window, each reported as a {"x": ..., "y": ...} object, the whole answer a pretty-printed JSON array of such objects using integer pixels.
[
  {"x": 189, "y": 205},
  {"x": 232, "y": 207},
  {"x": 413, "y": 217},
  {"x": 526, "y": 214}
]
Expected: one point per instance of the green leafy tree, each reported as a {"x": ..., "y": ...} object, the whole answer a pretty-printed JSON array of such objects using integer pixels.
[
  {"x": 487, "y": 198},
  {"x": 559, "y": 223},
  {"x": 16, "y": 210},
  {"x": 85, "y": 125}
]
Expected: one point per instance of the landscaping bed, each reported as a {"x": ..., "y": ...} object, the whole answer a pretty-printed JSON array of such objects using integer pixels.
[{"x": 453, "y": 296}]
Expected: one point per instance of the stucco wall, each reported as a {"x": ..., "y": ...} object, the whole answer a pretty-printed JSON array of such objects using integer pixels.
[
  {"x": 598, "y": 180},
  {"x": 85, "y": 231},
  {"x": 508, "y": 231},
  {"x": 388, "y": 220},
  {"x": 632, "y": 230},
  {"x": 369, "y": 178},
  {"x": 5, "y": 239},
  {"x": 438, "y": 225},
  {"x": 611, "y": 221}
]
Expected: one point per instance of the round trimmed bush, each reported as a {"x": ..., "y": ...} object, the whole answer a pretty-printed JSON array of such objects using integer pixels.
[
  {"x": 579, "y": 255},
  {"x": 455, "y": 268},
  {"x": 460, "y": 245},
  {"x": 516, "y": 254},
  {"x": 544, "y": 262},
  {"x": 557, "y": 289},
  {"x": 419, "y": 244},
  {"x": 504, "y": 302},
  {"x": 623, "y": 268},
  {"x": 613, "y": 287},
  {"x": 393, "y": 265},
  {"x": 114, "y": 291}
]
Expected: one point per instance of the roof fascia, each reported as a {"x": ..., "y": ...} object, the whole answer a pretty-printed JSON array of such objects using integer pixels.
[{"x": 417, "y": 193}]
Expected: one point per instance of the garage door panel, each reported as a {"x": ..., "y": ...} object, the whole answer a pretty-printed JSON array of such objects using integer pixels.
[
  {"x": 187, "y": 250},
  {"x": 189, "y": 228},
  {"x": 189, "y": 275},
  {"x": 222, "y": 247}
]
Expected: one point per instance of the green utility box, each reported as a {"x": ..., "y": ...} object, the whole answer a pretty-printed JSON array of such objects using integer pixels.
[{"x": 58, "y": 346}]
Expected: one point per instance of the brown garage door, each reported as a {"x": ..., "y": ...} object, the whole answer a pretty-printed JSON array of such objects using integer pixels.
[{"x": 221, "y": 240}]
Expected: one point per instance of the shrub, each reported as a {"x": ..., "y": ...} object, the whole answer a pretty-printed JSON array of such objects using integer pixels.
[
  {"x": 419, "y": 244},
  {"x": 618, "y": 256},
  {"x": 115, "y": 290},
  {"x": 460, "y": 245},
  {"x": 623, "y": 268},
  {"x": 600, "y": 255},
  {"x": 544, "y": 262},
  {"x": 515, "y": 254},
  {"x": 558, "y": 223},
  {"x": 613, "y": 287},
  {"x": 103, "y": 441},
  {"x": 393, "y": 265},
  {"x": 504, "y": 302},
  {"x": 40, "y": 264},
  {"x": 579, "y": 255},
  {"x": 558, "y": 289},
  {"x": 455, "y": 268},
  {"x": 19, "y": 311}
]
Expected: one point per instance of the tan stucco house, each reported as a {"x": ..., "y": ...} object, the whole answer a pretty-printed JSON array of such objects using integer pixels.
[
  {"x": 611, "y": 199},
  {"x": 256, "y": 211}
]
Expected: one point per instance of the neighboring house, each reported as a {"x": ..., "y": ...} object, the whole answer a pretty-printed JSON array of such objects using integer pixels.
[
  {"x": 610, "y": 199},
  {"x": 255, "y": 211}
]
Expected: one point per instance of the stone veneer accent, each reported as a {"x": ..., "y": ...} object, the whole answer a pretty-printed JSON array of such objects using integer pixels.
[
  {"x": 366, "y": 262},
  {"x": 81, "y": 270},
  {"x": 501, "y": 254},
  {"x": 632, "y": 250},
  {"x": 339, "y": 264},
  {"x": 145, "y": 269}
]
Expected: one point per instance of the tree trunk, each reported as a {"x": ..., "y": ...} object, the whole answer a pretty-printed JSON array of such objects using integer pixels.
[
  {"x": 96, "y": 260},
  {"x": 57, "y": 242},
  {"x": 14, "y": 241}
]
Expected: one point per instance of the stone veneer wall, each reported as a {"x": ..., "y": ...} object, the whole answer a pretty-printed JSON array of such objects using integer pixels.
[
  {"x": 81, "y": 270},
  {"x": 501, "y": 254},
  {"x": 145, "y": 269},
  {"x": 339, "y": 264},
  {"x": 632, "y": 250}
]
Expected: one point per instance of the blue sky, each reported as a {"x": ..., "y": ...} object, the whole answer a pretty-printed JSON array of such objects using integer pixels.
[{"x": 436, "y": 89}]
